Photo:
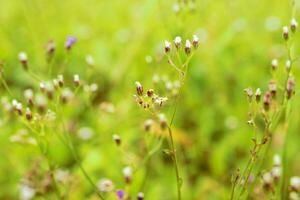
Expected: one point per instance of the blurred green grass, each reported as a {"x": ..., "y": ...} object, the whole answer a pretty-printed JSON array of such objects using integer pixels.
[{"x": 238, "y": 40}]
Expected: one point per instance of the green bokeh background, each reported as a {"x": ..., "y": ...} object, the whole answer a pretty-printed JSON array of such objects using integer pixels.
[{"x": 238, "y": 39}]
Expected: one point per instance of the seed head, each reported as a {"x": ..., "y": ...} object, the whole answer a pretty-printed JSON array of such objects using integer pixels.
[
  {"x": 23, "y": 59},
  {"x": 274, "y": 64},
  {"x": 28, "y": 114},
  {"x": 139, "y": 88},
  {"x": 28, "y": 94},
  {"x": 177, "y": 42},
  {"x": 76, "y": 80},
  {"x": 163, "y": 121},
  {"x": 127, "y": 172},
  {"x": 167, "y": 46},
  {"x": 188, "y": 47},
  {"x": 285, "y": 33},
  {"x": 140, "y": 196},
  {"x": 195, "y": 41},
  {"x": 117, "y": 139},
  {"x": 294, "y": 25},
  {"x": 288, "y": 64},
  {"x": 295, "y": 183},
  {"x": 273, "y": 87},
  {"x": 257, "y": 95},
  {"x": 60, "y": 79}
]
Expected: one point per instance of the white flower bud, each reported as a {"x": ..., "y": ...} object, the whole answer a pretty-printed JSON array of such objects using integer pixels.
[
  {"x": 274, "y": 64},
  {"x": 76, "y": 80},
  {"x": 127, "y": 172},
  {"x": 288, "y": 64},
  {"x": 294, "y": 25},
  {"x": 295, "y": 183},
  {"x": 60, "y": 79},
  {"x": 195, "y": 41},
  {"x": 277, "y": 160},
  {"x": 177, "y": 41},
  {"x": 188, "y": 47},
  {"x": 167, "y": 46},
  {"x": 285, "y": 32},
  {"x": 117, "y": 139}
]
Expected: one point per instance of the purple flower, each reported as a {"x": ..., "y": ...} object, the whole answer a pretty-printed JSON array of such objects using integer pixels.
[
  {"x": 70, "y": 42},
  {"x": 120, "y": 194}
]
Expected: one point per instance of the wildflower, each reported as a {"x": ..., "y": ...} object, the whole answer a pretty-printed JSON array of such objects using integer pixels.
[
  {"x": 139, "y": 88},
  {"x": 28, "y": 94},
  {"x": 267, "y": 101},
  {"x": 150, "y": 92},
  {"x": 42, "y": 87},
  {"x": 41, "y": 102},
  {"x": 23, "y": 59},
  {"x": 195, "y": 41},
  {"x": 60, "y": 79},
  {"x": 27, "y": 192},
  {"x": 277, "y": 160},
  {"x": 50, "y": 48},
  {"x": 163, "y": 121},
  {"x": 19, "y": 108},
  {"x": 276, "y": 173},
  {"x": 66, "y": 95},
  {"x": 105, "y": 185},
  {"x": 272, "y": 87},
  {"x": 167, "y": 46},
  {"x": 290, "y": 87},
  {"x": 70, "y": 42},
  {"x": 76, "y": 80},
  {"x": 288, "y": 65},
  {"x": 294, "y": 25},
  {"x": 55, "y": 83},
  {"x": 127, "y": 172},
  {"x": 148, "y": 125},
  {"x": 294, "y": 196},
  {"x": 90, "y": 60},
  {"x": 120, "y": 194},
  {"x": 257, "y": 94},
  {"x": 140, "y": 196},
  {"x": 93, "y": 87},
  {"x": 285, "y": 32},
  {"x": 295, "y": 183},
  {"x": 28, "y": 114},
  {"x": 188, "y": 46},
  {"x": 49, "y": 90},
  {"x": 274, "y": 64},
  {"x": 267, "y": 180},
  {"x": 85, "y": 133},
  {"x": 177, "y": 42},
  {"x": 249, "y": 93},
  {"x": 117, "y": 139}
]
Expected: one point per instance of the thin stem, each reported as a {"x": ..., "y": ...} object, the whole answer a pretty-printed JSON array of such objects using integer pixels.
[{"x": 5, "y": 85}]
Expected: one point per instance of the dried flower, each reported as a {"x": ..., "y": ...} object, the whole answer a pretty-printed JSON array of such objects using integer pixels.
[
  {"x": 177, "y": 42},
  {"x": 70, "y": 42},
  {"x": 188, "y": 47},
  {"x": 267, "y": 180},
  {"x": 19, "y": 108},
  {"x": 150, "y": 92},
  {"x": 117, "y": 139},
  {"x": 249, "y": 93},
  {"x": 285, "y": 32},
  {"x": 167, "y": 46},
  {"x": 148, "y": 125},
  {"x": 50, "y": 47},
  {"x": 290, "y": 87},
  {"x": 294, "y": 25},
  {"x": 28, "y": 94},
  {"x": 267, "y": 101},
  {"x": 195, "y": 41}
]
